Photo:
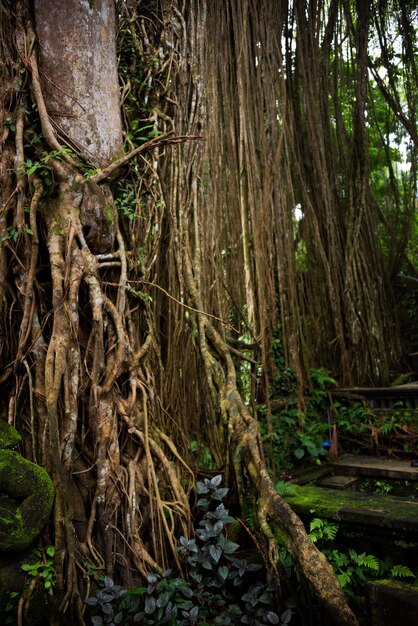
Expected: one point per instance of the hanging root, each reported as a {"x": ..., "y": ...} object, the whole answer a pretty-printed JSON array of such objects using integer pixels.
[
  {"x": 278, "y": 523},
  {"x": 75, "y": 274},
  {"x": 92, "y": 415}
]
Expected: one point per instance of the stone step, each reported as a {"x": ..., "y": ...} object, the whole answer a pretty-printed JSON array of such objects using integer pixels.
[
  {"x": 373, "y": 510},
  {"x": 392, "y": 603},
  {"x": 346, "y": 483},
  {"x": 359, "y": 465}
]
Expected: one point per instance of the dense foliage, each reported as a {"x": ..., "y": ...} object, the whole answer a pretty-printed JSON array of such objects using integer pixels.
[{"x": 219, "y": 591}]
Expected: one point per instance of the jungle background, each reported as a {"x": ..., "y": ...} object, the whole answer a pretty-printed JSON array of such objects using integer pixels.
[{"x": 181, "y": 287}]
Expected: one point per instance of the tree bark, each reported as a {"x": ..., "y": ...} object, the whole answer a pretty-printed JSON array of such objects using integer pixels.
[{"x": 78, "y": 66}]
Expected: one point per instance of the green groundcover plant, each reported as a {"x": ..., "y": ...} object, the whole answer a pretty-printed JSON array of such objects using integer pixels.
[{"x": 222, "y": 588}]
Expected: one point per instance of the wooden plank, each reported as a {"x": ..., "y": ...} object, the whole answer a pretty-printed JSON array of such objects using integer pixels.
[
  {"x": 356, "y": 465},
  {"x": 376, "y": 396}
]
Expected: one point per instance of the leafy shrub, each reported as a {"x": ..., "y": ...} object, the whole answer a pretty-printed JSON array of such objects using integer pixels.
[
  {"x": 386, "y": 427},
  {"x": 107, "y": 603},
  {"x": 298, "y": 431},
  {"x": 220, "y": 591},
  {"x": 165, "y": 599},
  {"x": 352, "y": 569},
  {"x": 42, "y": 568}
]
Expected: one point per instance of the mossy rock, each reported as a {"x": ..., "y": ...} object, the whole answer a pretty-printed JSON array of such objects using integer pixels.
[
  {"x": 26, "y": 495},
  {"x": 9, "y": 437}
]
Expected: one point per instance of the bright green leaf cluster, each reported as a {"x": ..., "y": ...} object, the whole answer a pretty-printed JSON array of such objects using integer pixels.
[{"x": 43, "y": 568}]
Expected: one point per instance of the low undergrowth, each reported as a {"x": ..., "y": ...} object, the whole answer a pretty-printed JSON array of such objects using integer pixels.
[
  {"x": 222, "y": 587},
  {"x": 298, "y": 431},
  {"x": 353, "y": 567}
]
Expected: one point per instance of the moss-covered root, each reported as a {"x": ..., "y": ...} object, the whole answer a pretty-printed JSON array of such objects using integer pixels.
[
  {"x": 315, "y": 567},
  {"x": 281, "y": 521},
  {"x": 26, "y": 498},
  {"x": 245, "y": 447},
  {"x": 9, "y": 436}
]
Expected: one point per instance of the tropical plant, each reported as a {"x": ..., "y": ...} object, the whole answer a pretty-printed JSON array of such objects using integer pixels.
[
  {"x": 299, "y": 428},
  {"x": 43, "y": 567},
  {"x": 352, "y": 568},
  {"x": 220, "y": 591}
]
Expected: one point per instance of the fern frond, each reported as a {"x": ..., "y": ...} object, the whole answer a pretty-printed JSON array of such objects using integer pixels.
[
  {"x": 344, "y": 579},
  {"x": 401, "y": 571},
  {"x": 368, "y": 560},
  {"x": 317, "y": 522}
]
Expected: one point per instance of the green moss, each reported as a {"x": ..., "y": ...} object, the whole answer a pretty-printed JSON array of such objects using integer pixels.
[
  {"x": 57, "y": 228},
  {"x": 26, "y": 496},
  {"x": 109, "y": 213},
  {"x": 9, "y": 437},
  {"x": 363, "y": 508},
  {"x": 395, "y": 584}
]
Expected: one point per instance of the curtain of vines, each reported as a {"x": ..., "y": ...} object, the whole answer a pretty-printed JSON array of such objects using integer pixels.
[
  {"x": 289, "y": 123},
  {"x": 210, "y": 203}
]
